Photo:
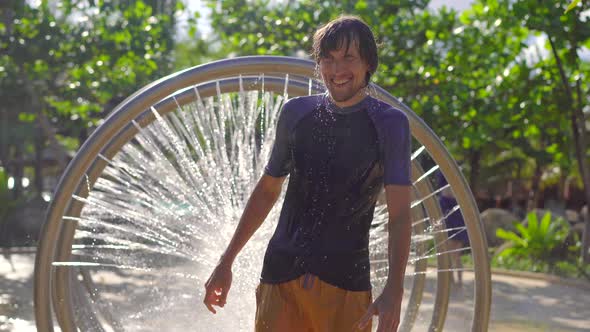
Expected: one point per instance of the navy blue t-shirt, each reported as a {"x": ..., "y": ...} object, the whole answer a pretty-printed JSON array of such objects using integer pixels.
[{"x": 338, "y": 160}]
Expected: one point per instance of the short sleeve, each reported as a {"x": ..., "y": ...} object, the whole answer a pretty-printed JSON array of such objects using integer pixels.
[
  {"x": 397, "y": 149},
  {"x": 280, "y": 158}
]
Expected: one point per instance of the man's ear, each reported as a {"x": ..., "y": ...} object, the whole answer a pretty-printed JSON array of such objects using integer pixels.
[{"x": 368, "y": 77}]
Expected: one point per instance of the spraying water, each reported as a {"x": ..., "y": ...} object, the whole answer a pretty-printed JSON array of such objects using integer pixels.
[{"x": 165, "y": 207}]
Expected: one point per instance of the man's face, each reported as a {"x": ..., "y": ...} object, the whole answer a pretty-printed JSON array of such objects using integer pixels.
[{"x": 344, "y": 73}]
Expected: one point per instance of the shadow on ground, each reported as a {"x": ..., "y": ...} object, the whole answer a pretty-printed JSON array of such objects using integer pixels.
[
  {"x": 538, "y": 304},
  {"x": 518, "y": 304}
]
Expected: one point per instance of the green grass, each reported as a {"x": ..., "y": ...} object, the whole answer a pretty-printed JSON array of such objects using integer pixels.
[{"x": 570, "y": 268}]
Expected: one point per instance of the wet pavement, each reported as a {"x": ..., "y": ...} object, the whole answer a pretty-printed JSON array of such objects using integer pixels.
[
  {"x": 519, "y": 304},
  {"x": 16, "y": 293}
]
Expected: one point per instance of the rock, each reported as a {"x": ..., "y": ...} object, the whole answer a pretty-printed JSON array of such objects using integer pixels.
[
  {"x": 497, "y": 218},
  {"x": 556, "y": 207},
  {"x": 572, "y": 216}
]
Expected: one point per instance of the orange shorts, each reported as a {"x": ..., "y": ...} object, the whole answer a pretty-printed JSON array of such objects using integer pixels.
[{"x": 308, "y": 304}]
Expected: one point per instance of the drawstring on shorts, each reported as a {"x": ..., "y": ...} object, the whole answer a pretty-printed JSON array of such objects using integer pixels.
[{"x": 308, "y": 281}]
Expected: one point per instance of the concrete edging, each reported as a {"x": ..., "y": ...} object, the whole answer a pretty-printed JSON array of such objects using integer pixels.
[{"x": 578, "y": 283}]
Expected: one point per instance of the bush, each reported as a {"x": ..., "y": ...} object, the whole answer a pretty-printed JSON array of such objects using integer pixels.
[
  {"x": 538, "y": 247},
  {"x": 535, "y": 240}
]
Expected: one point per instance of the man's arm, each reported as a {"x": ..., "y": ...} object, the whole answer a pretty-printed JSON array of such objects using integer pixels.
[
  {"x": 400, "y": 231},
  {"x": 259, "y": 204},
  {"x": 388, "y": 304}
]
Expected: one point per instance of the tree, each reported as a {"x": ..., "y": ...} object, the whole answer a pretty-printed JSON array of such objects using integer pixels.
[
  {"x": 566, "y": 34},
  {"x": 64, "y": 65},
  {"x": 456, "y": 84},
  {"x": 429, "y": 59}
]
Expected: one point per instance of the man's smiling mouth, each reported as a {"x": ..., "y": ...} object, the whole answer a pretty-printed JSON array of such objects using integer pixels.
[{"x": 340, "y": 82}]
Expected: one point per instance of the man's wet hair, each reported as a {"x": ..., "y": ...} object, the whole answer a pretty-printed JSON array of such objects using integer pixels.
[{"x": 342, "y": 32}]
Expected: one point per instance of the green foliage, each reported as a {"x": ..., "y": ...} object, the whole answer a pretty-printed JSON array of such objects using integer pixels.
[
  {"x": 570, "y": 268},
  {"x": 535, "y": 240},
  {"x": 464, "y": 74},
  {"x": 83, "y": 55},
  {"x": 474, "y": 76},
  {"x": 542, "y": 247},
  {"x": 64, "y": 65},
  {"x": 572, "y": 5},
  {"x": 194, "y": 52},
  {"x": 72, "y": 61}
]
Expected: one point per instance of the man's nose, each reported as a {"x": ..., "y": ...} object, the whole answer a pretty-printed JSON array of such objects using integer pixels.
[{"x": 339, "y": 66}]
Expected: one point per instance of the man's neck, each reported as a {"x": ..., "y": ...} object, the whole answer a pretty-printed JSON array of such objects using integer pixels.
[{"x": 357, "y": 98}]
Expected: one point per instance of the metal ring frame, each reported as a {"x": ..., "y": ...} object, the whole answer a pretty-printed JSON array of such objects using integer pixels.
[{"x": 52, "y": 291}]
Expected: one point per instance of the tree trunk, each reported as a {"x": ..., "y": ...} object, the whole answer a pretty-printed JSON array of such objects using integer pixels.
[
  {"x": 4, "y": 148},
  {"x": 515, "y": 190},
  {"x": 474, "y": 160},
  {"x": 19, "y": 171},
  {"x": 3, "y": 138},
  {"x": 43, "y": 122},
  {"x": 39, "y": 163},
  {"x": 579, "y": 134},
  {"x": 534, "y": 192},
  {"x": 581, "y": 149},
  {"x": 82, "y": 136},
  {"x": 585, "y": 240}
]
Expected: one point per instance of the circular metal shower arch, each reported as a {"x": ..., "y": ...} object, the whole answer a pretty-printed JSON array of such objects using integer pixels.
[{"x": 53, "y": 290}]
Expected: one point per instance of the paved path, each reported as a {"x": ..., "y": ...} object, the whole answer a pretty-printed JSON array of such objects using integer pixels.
[
  {"x": 519, "y": 304},
  {"x": 16, "y": 293}
]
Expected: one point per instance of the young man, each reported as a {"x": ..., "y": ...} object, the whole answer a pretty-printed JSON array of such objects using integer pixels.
[{"x": 340, "y": 149}]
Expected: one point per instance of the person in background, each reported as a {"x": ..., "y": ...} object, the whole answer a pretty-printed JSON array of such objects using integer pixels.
[{"x": 457, "y": 233}]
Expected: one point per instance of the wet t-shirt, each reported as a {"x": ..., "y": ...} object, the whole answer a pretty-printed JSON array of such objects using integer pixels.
[{"x": 338, "y": 160}]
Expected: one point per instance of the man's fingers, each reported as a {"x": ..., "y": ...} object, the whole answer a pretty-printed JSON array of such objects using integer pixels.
[
  {"x": 210, "y": 307},
  {"x": 210, "y": 299},
  {"x": 386, "y": 324},
  {"x": 223, "y": 296},
  {"x": 367, "y": 317}
]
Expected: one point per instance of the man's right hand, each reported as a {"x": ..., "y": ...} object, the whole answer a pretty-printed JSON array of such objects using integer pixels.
[
  {"x": 259, "y": 204},
  {"x": 217, "y": 287}
]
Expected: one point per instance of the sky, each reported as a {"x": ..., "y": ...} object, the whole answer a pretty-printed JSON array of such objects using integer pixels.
[
  {"x": 204, "y": 23},
  {"x": 456, "y": 4}
]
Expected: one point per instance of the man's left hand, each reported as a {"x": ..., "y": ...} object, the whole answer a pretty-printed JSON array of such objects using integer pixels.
[{"x": 387, "y": 306}]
